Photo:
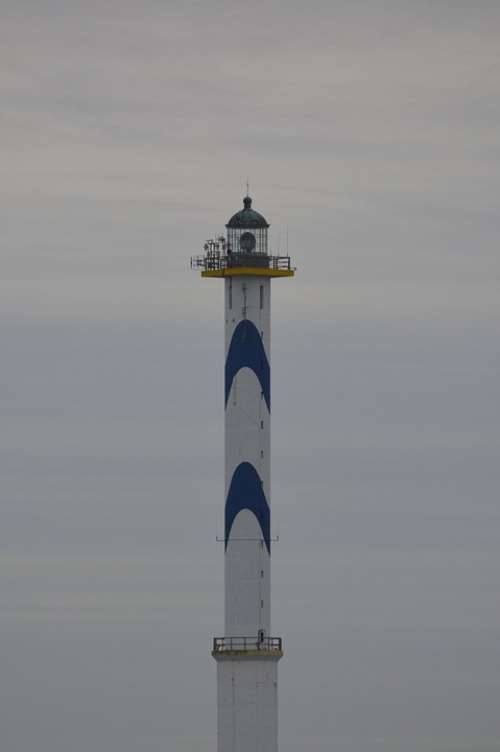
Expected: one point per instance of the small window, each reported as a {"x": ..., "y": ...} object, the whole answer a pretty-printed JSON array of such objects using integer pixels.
[
  {"x": 262, "y": 424},
  {"x": 262, "y": 573},
  {"x": 261, "y": 297},
  {"x": 262, "y": 604},
  {"x": 261, "y": 452}
]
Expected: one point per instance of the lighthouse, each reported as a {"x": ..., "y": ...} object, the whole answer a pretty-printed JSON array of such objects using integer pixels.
[{"x": 247, "y": 655}]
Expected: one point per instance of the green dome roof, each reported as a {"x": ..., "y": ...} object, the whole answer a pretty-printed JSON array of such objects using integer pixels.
[{"x": 247, "y": 218}]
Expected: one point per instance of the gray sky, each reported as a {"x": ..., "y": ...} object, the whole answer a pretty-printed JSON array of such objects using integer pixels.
[{"x": 371, "y": 131}]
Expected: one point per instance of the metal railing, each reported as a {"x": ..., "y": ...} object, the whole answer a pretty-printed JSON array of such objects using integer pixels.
[
  {"x": 244, "y": 644},
  {"x": 217, "y": 261}
]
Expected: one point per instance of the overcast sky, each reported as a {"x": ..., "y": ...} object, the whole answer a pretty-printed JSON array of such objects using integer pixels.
[{"x": 370, "y": 133}]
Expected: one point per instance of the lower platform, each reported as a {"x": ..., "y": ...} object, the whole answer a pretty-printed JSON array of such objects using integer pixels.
[{"x": 247, "y": 647}]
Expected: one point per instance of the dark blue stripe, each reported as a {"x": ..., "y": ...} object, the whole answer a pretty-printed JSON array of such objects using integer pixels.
[
  {"x": 246, "y": 492},
  {"x": 247, "y": 351}
]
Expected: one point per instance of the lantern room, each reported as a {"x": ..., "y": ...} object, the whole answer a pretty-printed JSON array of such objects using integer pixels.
[{"x": 247, "y": 231}]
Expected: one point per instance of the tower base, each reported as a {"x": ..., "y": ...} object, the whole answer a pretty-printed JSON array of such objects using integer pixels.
[{"x": 247, "y": 702}]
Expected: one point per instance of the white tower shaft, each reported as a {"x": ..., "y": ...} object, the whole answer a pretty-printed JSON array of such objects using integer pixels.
[
  {"x": 247, "y": 441},
  {"x": 247, "y": 675}
]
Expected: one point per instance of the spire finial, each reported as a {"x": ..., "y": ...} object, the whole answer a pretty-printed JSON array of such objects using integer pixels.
[{"x": 248, "y": 188}]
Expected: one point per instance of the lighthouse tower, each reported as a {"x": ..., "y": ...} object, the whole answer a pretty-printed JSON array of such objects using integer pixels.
[{"x": 247, "y": 656}]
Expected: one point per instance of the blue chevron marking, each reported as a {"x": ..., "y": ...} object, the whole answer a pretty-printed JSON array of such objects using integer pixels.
[
  {"x": 246, "y": 492},
  {"x": 246, "y": 350}
]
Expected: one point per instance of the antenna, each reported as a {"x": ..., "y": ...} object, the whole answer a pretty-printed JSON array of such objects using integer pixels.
[{"x": 248, "y": 188}]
